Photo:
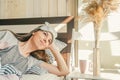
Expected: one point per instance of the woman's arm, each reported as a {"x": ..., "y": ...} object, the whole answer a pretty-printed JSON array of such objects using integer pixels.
[{"x": 61, "y": 69}]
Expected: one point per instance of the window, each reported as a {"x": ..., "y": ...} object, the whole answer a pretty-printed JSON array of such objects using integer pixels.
[{"x": 114, "y": 27}]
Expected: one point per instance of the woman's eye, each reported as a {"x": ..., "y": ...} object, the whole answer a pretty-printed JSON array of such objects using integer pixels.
[
  {"x": 45, "y": 33},
  {"x": 50, "y": 41}
]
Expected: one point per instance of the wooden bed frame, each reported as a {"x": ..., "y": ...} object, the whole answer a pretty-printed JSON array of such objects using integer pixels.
[{"x": 66, "y": 37}]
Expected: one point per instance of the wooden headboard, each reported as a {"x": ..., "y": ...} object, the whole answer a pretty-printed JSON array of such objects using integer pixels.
[{"x": 66, "y": 37}]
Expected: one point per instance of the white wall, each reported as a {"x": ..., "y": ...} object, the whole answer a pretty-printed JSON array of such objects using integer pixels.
[{"x": 35, "y": 8}]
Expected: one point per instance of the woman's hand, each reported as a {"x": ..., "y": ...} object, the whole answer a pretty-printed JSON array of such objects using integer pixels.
[{"x": 53, "y": 47}]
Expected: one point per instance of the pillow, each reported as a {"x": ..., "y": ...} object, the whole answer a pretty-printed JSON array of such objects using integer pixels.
[{"x": 60, "y": 46}]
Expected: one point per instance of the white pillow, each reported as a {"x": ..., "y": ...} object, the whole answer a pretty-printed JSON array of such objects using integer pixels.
[{"x": 60, "y": 46}]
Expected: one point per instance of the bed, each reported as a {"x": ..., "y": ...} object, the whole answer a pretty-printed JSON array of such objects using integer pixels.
[{"x": 63, "y": 36}]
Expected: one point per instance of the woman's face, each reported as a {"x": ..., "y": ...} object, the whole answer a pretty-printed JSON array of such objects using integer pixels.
[{"x": 42, "y": 39}]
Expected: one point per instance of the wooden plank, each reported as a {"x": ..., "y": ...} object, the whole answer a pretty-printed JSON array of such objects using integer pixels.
[
  {"x": 62, "y": 7},
  {"x": 44, "y": 8},
  {"x": 2, "y": 9},
  {"x": 22, "y": 8},
  {"x": 68, "y": 4},
  {"x": 71, "y": 7},
  {"x": 29, "y": 8},
  {"x": 37, "y": 8},
  {"x": 9, "y": 8},
  {"x": 15, "y": 8},
  {"x": 12, "y": 9},
  {"x": 32, "y": 8},
  {"x": 53, "y": 8}
]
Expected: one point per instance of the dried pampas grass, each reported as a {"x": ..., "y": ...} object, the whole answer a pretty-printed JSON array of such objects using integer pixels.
[
  {"x": 109, "y": 6},
  {"x": 98, "y": 10}
]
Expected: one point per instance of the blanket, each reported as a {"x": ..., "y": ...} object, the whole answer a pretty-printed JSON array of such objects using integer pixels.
[
  {"x": 47, "y": 76},
  {"x": 9, "y": 77},
  {"x": 31, "y": 77}
]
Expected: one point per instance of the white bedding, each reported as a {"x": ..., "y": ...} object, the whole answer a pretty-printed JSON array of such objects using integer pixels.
[
  {"x": 41, "y": 77},
  {"x": 31, "y": 77},
  {"x": 9, "y": 77}
]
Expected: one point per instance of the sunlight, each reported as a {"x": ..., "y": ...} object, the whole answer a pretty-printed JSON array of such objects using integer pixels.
[
  {"x": 84, "y": 54},
  {"x": 114, "y": 26},
  {"x": 115, "y": 48},
  {"x": 114, "y": 22},
  {"x": 110, "y": 76},
  {"x": 117, "y": 65},
  {"x": 87, "y": 34},
  {"x": 108, "y": 36},
  {"x": 59, "y": 27}
]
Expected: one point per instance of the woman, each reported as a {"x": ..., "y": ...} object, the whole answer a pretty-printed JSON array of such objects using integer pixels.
[{"x": 40, "y": 38}]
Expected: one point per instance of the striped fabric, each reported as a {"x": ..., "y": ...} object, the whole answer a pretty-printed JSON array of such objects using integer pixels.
[
  {"x": 9, "y": 69},
  {"x": 36, "y": 70}
]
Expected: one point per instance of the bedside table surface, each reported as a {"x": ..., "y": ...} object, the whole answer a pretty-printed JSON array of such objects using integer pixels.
[{"x": 78, "y": 75}]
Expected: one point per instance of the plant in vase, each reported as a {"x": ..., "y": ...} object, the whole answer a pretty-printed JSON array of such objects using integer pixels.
[{"x": 96, "y": 11}]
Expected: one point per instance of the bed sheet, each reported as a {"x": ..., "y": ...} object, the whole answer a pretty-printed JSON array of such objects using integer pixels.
[{"x": 41, "y": 77}]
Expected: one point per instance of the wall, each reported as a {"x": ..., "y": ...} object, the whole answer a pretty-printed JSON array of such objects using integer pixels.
[{"x": 36, "y": 8}]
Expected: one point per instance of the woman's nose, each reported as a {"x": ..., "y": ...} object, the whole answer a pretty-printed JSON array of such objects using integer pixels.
[{"x": 45, "y": 39}]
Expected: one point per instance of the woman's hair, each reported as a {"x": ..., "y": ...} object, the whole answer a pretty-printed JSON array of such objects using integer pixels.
[
  {"x": 40, "y": 55},
  {"x": 23, "y": 37}
]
